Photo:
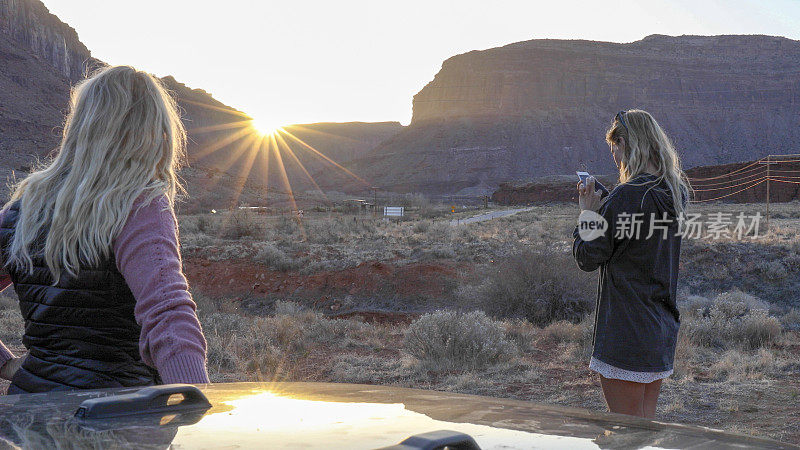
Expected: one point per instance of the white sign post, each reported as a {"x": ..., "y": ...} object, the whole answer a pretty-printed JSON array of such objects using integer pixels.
[{"x": 393, "y": 211}]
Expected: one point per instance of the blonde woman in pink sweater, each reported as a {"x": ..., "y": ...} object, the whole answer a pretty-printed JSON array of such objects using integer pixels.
[{"x": 90, "y": 244}]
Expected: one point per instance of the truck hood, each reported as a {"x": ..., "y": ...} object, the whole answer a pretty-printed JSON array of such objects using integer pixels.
[{"x": 330, "y": 415}]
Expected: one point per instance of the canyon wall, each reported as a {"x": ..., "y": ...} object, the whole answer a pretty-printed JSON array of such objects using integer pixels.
[
  {"x": 541, "y": 107},
  {"x": 30, "y": 24},
  {"x": 42, "y": 57},
  {"x": 504, "y": 115}
]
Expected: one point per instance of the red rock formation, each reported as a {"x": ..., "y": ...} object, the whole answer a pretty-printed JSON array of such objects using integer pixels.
[
  {"x": 541, "y": 107},
  {"x": 30, "y": 23},
  {"x": 746, "y": 182},
  {"x": 561, "y": 188},
  {"x": 731, "y": 183}
]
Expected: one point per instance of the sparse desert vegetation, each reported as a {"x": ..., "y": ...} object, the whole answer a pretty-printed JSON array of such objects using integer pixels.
[{"x": 492, "y": 308}]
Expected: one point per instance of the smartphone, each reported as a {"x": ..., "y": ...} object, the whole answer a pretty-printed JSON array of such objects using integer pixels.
[{"x": 583, "y": 176}]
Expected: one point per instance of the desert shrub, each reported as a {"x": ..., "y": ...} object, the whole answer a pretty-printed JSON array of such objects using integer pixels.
[
  {"x": 735, "y": 365},
  {"x": 11, "y": 326},
  {"x": 421, "y": 226},
  {"x": 240, "y": 223},
  {"x": 187, "y": 224},
  {"x": 791, "y": 320},
  {"x": 223, "y": 324},
  {"x": 200, "y": 223},
  {"x": 364, "y": 227},
  {"x": 8, "y": 301},
  {"x": 341, "y": 333},
  {"x": 286, "y": 226},
  {"x": 522, "y": 333},
  {"x": 445, "y": 251},
  {"x": 267, "y": 253},
  {"x": 230, "y": 252},
  {"x": 454, "y": 340},
  {"x": 687, "y": 355},
  {"x": 328, "y": 231},
  {"x": 11, "y": 322},
  {"x": 734, "y": 319},
  {"x": 207, "y": 305},
  {"x": 494, "y": 381},
  {"x": 267, "y": 364},
  {"x": 464, "y": 235},
  {"x": 195, "y": 241},
  {"x": 287, "y": 308},
  {"x": 220, "y": 357},
  {"x": 563, "y": 331},
  {"x": 226, "y": 337},
  {"x": 204, "y": 224},
  {"x": 370, "y": 369},
  {"x": 694, "y": 305},
  {"x": 792, "y": 260},
  {"x": 542, "y": 287},
  {"x": 475, "y": 383},
  {"x": 772, "y": 270},
  {"x": 294, "y": 329},
  {"x": 439, "y": 232},
  {"x": 243, "y": 348}
]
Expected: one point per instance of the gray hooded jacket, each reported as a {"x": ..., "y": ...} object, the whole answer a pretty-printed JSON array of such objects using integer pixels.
[{"x": 637, "y": 320}]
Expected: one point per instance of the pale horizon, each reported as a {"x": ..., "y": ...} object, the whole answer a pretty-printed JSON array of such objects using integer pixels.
[{"x": 361, "y": 61}]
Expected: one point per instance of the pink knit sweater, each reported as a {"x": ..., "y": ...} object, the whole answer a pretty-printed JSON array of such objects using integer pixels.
[{"x": 148, "y": 257}]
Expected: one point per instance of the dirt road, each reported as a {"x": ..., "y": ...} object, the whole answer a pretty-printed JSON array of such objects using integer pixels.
[{"x": 487, "y": 216}]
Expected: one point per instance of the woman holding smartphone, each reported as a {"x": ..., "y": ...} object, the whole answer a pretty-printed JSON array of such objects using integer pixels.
[
  {"x": 90, "y": 243},
  {"x": 637, "y": 320}
]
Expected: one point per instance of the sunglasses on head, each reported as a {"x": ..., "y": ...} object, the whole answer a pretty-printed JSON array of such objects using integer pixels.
[{"x": 619, "y": 117}]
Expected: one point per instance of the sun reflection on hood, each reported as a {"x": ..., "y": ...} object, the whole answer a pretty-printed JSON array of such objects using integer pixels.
[{"x": 270, "y": 419}]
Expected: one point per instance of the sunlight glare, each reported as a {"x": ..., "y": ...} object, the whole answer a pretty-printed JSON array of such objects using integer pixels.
[
  {"x": 264, "y": 128},
  {"x": 293, "y": 421}
]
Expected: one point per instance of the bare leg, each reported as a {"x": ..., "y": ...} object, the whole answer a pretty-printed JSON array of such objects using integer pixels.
[
  {"x": 624, "y": 397},
  {"x": 651, "y": 391}
]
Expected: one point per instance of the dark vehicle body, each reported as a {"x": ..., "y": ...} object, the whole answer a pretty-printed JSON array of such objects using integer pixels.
[{"x": 325, "y": 415}]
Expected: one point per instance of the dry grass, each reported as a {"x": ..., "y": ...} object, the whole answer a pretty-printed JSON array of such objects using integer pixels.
[
  {"x": 468, "y": 352},
  {"x": 471, "y": 353},
  {"x": 738, "y": 339},
  {"x": 11, "y": 326},
  {"x": 324, "y": 241},
  {"x": 737, "y": 350}
]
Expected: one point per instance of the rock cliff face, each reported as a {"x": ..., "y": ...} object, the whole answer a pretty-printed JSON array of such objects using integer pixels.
[
  {"x": 41, "y": 57},
  {"x": 526, "y": 110},
  {"x": 33, "y": 96},
  {"x": 555, "y": 188},
  {"x": 48, "y": 38},
  {"x": 541, "y": 107}
]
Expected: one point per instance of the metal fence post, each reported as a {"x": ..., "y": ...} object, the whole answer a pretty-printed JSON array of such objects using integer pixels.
[{"x": 769, "y": 157}]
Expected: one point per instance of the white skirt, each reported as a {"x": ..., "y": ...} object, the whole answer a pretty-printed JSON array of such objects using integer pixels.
[{"x": 609, "y": 371}]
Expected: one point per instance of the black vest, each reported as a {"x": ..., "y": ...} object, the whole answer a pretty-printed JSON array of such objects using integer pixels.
[{"x": 80, "y": 333}]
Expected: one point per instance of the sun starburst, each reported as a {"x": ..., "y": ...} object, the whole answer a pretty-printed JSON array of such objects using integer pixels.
[
  {"x": 265, "y": 128},
  {"x": 251, "y": 143}
]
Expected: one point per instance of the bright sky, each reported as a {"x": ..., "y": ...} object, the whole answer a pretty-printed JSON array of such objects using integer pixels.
[{"x": 302, "y": 61}]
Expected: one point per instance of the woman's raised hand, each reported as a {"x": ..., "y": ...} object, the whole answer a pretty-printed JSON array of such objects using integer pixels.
[{"x": 588, "y": 198}]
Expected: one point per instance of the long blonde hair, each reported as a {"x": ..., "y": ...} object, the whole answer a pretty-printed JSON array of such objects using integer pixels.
[
  {"x": 122, "y": 138},
  {"x": 645, "y": 141}
]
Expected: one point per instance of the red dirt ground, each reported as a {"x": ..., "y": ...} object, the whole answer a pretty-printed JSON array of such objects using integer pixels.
[{"x": 237, "y": 278}]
